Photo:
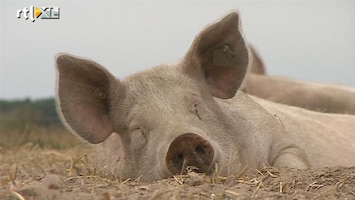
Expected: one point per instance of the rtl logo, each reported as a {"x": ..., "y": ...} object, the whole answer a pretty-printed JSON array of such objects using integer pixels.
[{"x": 35, "y": 12}]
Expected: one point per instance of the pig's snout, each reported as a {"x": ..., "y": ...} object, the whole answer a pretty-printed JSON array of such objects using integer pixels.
[{"x": 190, "y": 150}]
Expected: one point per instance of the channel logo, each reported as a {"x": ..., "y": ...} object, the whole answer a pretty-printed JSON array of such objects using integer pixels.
[{"x": 36, "y": 12}]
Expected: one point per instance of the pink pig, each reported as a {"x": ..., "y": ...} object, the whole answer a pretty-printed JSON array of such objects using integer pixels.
[
  {"x": 156, "y": 123},
  {"x": 321, "y": 97}
]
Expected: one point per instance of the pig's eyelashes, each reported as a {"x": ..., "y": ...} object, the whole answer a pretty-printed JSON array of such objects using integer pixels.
[
  {"x": 136, "y": 129},
  {"x": 137, "y": 132},
  {"x": 196, "y": 110}
]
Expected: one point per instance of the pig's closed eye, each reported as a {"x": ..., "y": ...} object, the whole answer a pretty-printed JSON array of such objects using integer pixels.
[
  {"x": 137, "y": 132},
  {"x": 197, "y": 109}
]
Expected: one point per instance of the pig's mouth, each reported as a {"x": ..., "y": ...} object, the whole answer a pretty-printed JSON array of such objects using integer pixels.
[{"x": 190, "y": 152}]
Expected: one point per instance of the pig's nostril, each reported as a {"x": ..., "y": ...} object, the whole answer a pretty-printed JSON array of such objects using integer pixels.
[
  {"x": 180, "y": 156},
  {"x": 200, "y": 150},
  {"x": 178, "y": 159},
  {"x": 189, "y": 150}
]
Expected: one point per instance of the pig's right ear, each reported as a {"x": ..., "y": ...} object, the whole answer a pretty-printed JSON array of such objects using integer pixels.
[
  {"x": 219, "y": 56},
  {"x": 83, "y": 97}
]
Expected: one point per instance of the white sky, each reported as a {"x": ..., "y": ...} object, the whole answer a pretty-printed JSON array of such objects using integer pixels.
[{"x": 306, "y": 39}]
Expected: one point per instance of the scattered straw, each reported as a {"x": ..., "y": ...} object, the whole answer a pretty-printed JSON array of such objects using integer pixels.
[
  {"x": 314, "y": 185},
  {"x": 232, "y": 192},
  {"x": 25, "y": 167},
  {"x": 17, "y": 195},
  {"x": 12, "y": 177}
]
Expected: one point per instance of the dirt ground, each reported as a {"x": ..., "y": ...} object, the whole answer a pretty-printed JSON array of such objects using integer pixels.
[{"x": 29, "y": 172}]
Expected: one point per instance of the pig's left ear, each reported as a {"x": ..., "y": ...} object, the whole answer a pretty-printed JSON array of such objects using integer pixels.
[
  {"x": 219, "y": 55},
  {"x": 84, "y": 96}
]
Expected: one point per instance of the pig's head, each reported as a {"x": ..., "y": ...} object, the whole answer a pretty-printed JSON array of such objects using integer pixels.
[{"x": 158, "y": 122}]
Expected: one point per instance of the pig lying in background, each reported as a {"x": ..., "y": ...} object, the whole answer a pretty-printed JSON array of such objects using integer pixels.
[
  {"x": 256, "y": 64},
  {"x": 327, "y": 98},
  {"x": 156, "y": 123}
]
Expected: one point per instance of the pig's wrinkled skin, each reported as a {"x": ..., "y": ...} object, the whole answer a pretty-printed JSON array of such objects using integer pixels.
[
  {"x": 155, "y": 123},
  {"x": 328, "y": 98}
]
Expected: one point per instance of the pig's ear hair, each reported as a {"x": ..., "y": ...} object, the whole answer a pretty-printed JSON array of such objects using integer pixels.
[
  {"x": 219, "y": 55},
  {"x": 83, "y": 97}
]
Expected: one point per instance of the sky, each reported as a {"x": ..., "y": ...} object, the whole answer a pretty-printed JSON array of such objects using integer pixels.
[{"x": 312, "y": 40}]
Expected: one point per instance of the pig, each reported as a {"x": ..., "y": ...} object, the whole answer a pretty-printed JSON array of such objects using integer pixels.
[
  {"x": 190, "y": 115},
  {"x": 256, "y": 63},
  {"x": 321, "y": 97}
]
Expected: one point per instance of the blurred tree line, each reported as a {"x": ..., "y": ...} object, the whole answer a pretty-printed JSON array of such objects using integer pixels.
[
  {"x": 18, "y": 114},
  {"x": 32, "y": 123}
]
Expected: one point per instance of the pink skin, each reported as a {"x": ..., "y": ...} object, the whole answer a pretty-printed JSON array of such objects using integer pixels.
[{"x": 155, "y": 123}]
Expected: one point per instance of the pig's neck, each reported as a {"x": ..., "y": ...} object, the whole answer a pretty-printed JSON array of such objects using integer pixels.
[{"x": 250, "y": 127}]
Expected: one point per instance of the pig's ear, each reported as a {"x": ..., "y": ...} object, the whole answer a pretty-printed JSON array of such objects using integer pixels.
[
  {"x": 219, "y": 55},
  {"x": 83, "y": 97},
  {"x": 256, "y": 65}
]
